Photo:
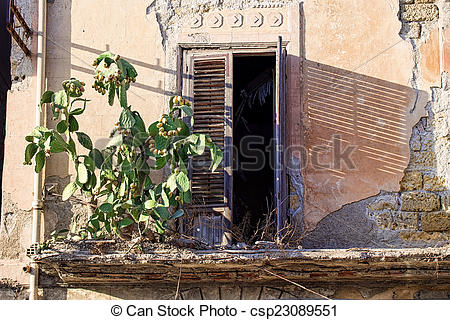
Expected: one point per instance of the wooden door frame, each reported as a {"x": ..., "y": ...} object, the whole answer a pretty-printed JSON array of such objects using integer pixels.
[{"x": 278, "y": 49}]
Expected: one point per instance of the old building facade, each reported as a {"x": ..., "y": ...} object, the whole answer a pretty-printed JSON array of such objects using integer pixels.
[{"x": 365, "y": 139}]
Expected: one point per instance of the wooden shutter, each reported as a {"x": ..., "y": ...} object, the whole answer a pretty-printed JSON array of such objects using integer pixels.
[
  {"x": 280, "y": 182},
  {"x": 211, "y": 92}
]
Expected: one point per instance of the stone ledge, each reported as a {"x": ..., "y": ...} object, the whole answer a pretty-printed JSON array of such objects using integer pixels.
[{"x": 361, "y": 266}]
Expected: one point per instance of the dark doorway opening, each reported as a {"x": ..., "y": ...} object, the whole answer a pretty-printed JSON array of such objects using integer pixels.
[{"x": 253, "y": 174}]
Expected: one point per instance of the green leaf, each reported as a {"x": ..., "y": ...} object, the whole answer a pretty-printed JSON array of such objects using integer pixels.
[
  {"x": 61, "y": 127},
  {"x": 144, "y": 217},
  {"x": 92, "y": 182},
  {"x": 183, "y": 182},
  {"x": 162, "y": 212},
  {"x": 184, "y": 128},
  {"x": 128, "y": 204},
  {"x": 30, "y": 151},
  {"x": 122, "y": 188},
  {"x": 123, "y": 97},
  {"x": 126, "y": 119},
  {"x": 160, "y": 163},
  {"x": 201, "y": 144},
  {"x": 187, "y": 196},
  {"x": 95, "y": 223},
  {"x": 60, "y": 99},
  {"x": 165, "y": 199},
  {"x": 217, "y": 159},
  {"x": 89, "y": 162},
  {"x": 139, "y": 125},
  {"x": 172, "y": 182},
  {"x": 82, "y": 173},
  {"x": 160, "y": 142},
  {"x": 73, "y": 124},
  {"x": 56, "y": 146},
  {"x": 115, "y": 141},
  {"x": 69, "y": 190},
  {"x": 153, "y": 129},
  {"x": 97, "y": 156},
  {"x": 78, "y": 111},
  {"x": 71, "y": 146},
  {"x": 171, "y": 103},
  {"x": 40, "y": 161},
  {"x": 177, "y": 214},
  {"x": 125, "y": 222},
  {"x": 84, "y": 140},
  {"x": 106, "y": 207},
  {"x": 187, "y": 110},
  {"x": 47, "y": 97},
  {"x": 128, "y": 68},
  {"x": 111, "y": 93},
  {"x": 149, "y": 204},
  {"x": 42, "y": 129}
]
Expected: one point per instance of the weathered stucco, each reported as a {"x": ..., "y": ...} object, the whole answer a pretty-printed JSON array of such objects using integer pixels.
[{"x": 365, "y": 80}]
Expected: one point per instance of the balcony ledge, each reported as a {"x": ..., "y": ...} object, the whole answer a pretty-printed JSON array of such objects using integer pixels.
[{"x": 92, "y": 266}]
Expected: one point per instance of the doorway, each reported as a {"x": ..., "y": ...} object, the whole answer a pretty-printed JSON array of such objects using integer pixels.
[{"x": 253, "y": 133}]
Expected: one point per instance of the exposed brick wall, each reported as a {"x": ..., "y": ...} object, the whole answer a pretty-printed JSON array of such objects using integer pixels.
[
  {"x": 421, "y": 208},
  {"x": 414, "y": 14}
]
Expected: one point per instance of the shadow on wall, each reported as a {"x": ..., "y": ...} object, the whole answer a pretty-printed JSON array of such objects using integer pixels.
[
  {"x": 357, "y": 137},
  {"x": 360, "y": 111},
  {"x": 154, "y": 67}
]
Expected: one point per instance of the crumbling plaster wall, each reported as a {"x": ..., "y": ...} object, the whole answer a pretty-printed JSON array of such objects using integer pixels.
[
  {"x": 75, "y": 36},
  {"x": 416, "y": 213}
]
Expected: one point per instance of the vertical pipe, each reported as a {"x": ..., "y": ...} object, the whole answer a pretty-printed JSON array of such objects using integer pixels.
[{"x": 37, "y": 204}]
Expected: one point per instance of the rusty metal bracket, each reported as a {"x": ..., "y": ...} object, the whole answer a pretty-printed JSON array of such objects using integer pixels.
[{"x": 11, "y": 27}]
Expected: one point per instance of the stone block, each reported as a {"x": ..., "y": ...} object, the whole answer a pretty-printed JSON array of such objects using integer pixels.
[
  {"x": 412, "y": 30},
  {"x": 415, "y": 142},
  {"x": 230, "y": 293},
  {"x": 436, "y": 221},
  {"x": 192, "y": 294},
  {"x": 419, "y": 12},
  {"x": 394, "y": 220},
  {"x": 383, "y": 219},
  {"x": 433, "y": 183},
  {"x": 404, "y": 220},
  {"x": 270, "y": 294},
  {"x": 445, "y": 200},
  {"x": 422, "y": 160},
  {"x": 428, "y": 142},
  {"x": 388, "y": 201},
  {"x": 211, "y": 293},
  {"x": 421, "y": 236},
  {"x": 419, "y": 202},
  {"x": 425, "y": 1},
  {"x": 412, "y": 180},
  {"x": 251, "y": 293}
]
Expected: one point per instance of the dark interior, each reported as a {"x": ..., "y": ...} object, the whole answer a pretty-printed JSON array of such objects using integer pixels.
[{"x": 253, "y": 176}]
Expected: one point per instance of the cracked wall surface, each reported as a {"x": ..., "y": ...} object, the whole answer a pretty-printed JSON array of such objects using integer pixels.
[{"x": 344, "y": 62}]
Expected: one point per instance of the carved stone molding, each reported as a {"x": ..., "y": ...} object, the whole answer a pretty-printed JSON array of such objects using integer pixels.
[
  {"x": 197, "y": 21},
  {"x": 236, "y": 20},
  {"x": 239, "y": 20},
  {"x": 215, "y": 20}
]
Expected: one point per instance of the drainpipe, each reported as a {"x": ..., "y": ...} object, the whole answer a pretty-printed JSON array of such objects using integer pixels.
[{"x": 38, "y": 203}]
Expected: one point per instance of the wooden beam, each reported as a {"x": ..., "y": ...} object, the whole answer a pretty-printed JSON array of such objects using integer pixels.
[{"x": 18, "y": 39}]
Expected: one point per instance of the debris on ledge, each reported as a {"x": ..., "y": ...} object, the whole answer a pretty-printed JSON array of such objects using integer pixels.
[{"x": 102, "y": 262}]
